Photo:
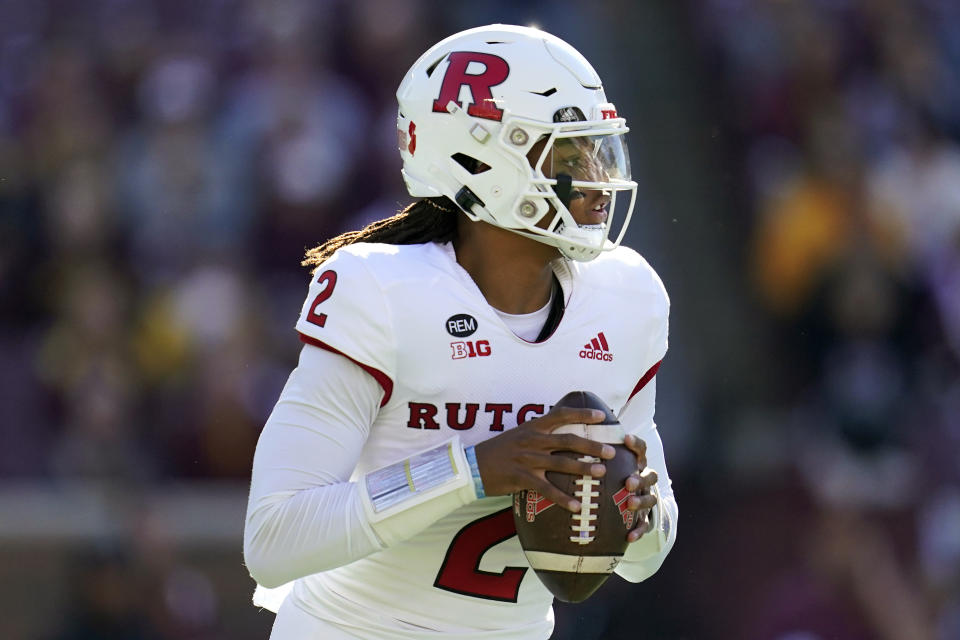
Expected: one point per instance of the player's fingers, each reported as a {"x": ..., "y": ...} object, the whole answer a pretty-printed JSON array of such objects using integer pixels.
[
  {"x": 636, "y": 533},
  {"x": 636, "y": 503},
  {"x": 564, "y": 464},
  {"x": 559, "y": 416},
  {"x": 648, "y": 478},
  {"x": 639, "y": 448},
  {"x": 547, "y": 489},
  {"x": 632, "y": 483},
  {"x": 571, "y": 442}
]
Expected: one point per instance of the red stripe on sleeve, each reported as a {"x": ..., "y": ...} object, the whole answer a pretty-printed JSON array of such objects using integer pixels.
[
  {"x": 378, "y": 375},
  {"x": 647, "y": 377}
]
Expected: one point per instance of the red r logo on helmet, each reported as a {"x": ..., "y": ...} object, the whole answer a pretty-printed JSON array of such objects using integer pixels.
[{"x": 495, "y": 72}]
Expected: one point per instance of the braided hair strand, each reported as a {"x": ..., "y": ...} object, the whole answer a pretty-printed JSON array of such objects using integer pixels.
[{"x": 426, "y": 220}]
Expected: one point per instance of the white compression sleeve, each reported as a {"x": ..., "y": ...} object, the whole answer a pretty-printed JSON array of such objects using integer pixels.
[
  {"x": 644, "y": 557},
  {"x": 303, "y": 515}
]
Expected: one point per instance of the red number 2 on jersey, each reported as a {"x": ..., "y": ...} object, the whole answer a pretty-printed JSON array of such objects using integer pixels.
[
  {"x": 329, "y": 278},
  {"x": 460, "y": 571}
]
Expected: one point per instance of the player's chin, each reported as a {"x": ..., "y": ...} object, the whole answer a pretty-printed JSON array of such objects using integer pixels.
[{"x": 590, "y": 217}]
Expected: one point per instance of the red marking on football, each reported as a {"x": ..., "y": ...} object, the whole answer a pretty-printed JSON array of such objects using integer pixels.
[{"x": 573, "y": 554}]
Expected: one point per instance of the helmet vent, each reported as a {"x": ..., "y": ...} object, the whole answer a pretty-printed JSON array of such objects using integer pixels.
[
  {"x": 546, "y": 94},
  {"x": 435, "y": 64},
  {"x": 497, "y": 42},
  {"x": 469, "y": 163}
]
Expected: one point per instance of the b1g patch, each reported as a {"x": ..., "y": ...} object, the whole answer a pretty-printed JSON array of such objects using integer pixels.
[{"x": 470, "y": 349}]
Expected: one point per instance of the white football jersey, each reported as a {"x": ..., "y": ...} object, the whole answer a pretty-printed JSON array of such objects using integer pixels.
[{"x": 416, "y": 321}]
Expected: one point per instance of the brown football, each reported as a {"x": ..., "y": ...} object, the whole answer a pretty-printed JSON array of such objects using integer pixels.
[{"x": 573, "y": 554}]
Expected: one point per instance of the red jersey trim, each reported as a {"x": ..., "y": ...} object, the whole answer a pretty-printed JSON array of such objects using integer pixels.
[
  {"x": 378, "y": 375},
  {"x": 647, "y": 377}
]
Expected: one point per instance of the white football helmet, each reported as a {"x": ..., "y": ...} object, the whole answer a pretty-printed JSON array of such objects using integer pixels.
[{"x": 474, "y": 106}]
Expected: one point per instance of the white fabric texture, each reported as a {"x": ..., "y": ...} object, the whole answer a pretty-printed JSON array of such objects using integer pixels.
[
  {"x": 334, "y": 423},
  {"x": 304, "y": 516},
  {"x": 527, "y": 325},
  {"x": 638, "y": 564},
  {"x": 342, "y": 293}
]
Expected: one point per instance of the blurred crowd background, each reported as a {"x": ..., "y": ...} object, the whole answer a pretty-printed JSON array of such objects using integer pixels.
[{"x": 164, "y": 164}]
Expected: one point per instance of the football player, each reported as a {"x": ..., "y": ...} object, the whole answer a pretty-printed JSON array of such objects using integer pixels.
[{"x": 435, "y": 342}]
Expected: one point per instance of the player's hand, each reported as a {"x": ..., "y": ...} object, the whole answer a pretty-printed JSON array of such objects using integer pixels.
[
  {"x": 520, "y": 458},
  {"x": 639, "y": 484}
]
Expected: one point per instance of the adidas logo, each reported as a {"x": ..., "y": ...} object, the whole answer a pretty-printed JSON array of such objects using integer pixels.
[{"x": 597, "y": 349}]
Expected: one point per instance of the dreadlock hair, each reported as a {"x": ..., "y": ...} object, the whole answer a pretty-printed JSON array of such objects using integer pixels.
[{"x": 426, "y": 220}]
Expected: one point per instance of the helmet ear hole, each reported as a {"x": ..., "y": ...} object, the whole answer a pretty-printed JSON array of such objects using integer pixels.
[{"x": 471, "y": 164}]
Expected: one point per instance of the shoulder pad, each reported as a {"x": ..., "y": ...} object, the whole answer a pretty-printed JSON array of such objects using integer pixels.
[
  {"x": 346, "y": 312},
  {"x": 627, "y": 272}
]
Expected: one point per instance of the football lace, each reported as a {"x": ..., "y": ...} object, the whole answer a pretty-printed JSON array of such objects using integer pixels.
[{"x": 582, "y": 524}]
